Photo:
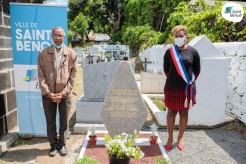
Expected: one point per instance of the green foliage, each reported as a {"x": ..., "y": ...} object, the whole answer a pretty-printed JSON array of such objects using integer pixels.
[
  {"x": 117, "y": 36},
  {"x": 159, "y": 103},
  {"x": 114, "y": 16},
  {"x": 143, "y": 23},
  {"x": 105, "y": 16},
  {"x": 70, "y": 35},
  {"x": 204, "y": 20},
  {"x": 149, "y": 12},
  {"x": 162, "y": 161},
  {"x": 21, "y": 142},
  {"x": 140, "y": 37},
  {"x": 80, "y": 25},
  {"x": 86, "y": 160}
]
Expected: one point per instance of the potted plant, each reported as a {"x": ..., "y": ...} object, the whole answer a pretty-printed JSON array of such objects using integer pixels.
[
  {"x": 153, "y": 137},
  {"x": 122, "y": 147},
  {"x": 92, "y": 136}
]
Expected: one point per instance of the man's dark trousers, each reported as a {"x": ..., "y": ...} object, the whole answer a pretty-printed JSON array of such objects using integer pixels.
[{"x": 50, "y": 110}]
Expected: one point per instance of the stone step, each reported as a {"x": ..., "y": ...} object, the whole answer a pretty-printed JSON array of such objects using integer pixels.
[{"x": 83, "y": 127}]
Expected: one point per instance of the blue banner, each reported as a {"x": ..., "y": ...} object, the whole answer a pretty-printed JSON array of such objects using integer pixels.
[{"x": 31, "y": 27}]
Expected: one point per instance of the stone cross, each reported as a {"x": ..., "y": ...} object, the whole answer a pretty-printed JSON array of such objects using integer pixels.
[
  {"x": 123, "y": 108},
  {"x": 145, "y": 64}
]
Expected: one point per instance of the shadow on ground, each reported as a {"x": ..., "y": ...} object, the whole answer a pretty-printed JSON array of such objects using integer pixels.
[
  {"x": 34, "y": 151},
  {"x": 232, "y": 142}
]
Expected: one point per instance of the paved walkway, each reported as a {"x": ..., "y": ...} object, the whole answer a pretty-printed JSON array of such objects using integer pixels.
[{"x": 220, "y": 146}]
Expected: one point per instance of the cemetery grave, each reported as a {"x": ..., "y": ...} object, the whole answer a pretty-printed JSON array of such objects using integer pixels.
[{"x": 123, "y": 110}]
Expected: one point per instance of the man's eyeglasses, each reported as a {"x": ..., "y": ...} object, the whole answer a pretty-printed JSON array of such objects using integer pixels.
[{"x": 57, "y": 36}]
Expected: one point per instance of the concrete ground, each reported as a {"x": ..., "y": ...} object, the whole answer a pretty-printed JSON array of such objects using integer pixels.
[{"x": 205, "y": 146}]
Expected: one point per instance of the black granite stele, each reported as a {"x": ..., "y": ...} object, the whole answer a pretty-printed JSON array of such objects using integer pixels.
[{"x": 123, "y": 108}]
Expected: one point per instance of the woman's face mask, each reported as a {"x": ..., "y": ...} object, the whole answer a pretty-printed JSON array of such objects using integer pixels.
[{"x": 179, "y": 41}]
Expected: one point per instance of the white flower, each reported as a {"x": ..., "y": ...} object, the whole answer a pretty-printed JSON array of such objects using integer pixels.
[{"x": 123, "y": 146}]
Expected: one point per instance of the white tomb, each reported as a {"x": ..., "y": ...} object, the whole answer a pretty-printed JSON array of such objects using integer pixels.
[
  {"x": 79, "y": 51},
  {"x": 212, "y": 84},
  {"x": 153, "y": 80},
  {"x": 154, "y": 55}
]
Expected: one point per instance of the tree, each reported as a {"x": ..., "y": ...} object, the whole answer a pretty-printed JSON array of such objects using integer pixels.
[
  {"x": 114, "y": 13},
  {"x": 75, "y": 7},
  {"x": 80, "y": 25},
  {"x": 206, "y": 21},
  {"x": 140, "y": 37},
  {"x": 105, "y": 15},
  {"x": 149, "y": 12}
]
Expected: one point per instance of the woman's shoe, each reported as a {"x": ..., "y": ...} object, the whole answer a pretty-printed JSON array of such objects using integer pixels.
[
  {"x": 181, "y": 147},
  {"x": 168, "y": 148}
]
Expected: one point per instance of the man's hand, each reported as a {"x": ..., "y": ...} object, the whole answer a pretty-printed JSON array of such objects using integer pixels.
[
  {"x": 55, "y": 97},
  {"x": 58, "y": 97},
  {"x": 49, "y": 95}
]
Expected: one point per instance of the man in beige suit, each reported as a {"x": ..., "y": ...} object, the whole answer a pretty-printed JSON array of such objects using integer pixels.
[{"x": 56, "y": 73}]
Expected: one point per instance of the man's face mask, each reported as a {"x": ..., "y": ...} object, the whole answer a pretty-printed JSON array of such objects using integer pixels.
[{"x": 57, "y": 46}]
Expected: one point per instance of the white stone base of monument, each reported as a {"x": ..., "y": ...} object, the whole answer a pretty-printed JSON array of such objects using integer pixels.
[
  {"x": 88, "y": 110},
  {"x": 84, "y": 128},
  {"x": 197, "y": 117},
  {"x": 139, "y": 142}
]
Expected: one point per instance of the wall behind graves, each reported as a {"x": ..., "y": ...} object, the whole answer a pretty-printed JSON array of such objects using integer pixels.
[
  {"x": 236, "y": 94},
  {"x": 8, "y": 111}
]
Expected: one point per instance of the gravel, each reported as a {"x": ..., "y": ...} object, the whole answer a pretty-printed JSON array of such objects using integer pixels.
[{"x": 220, "y": 146}]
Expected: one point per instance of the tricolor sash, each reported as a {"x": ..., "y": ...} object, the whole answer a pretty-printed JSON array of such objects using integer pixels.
[{"x": 179, "y": 65}]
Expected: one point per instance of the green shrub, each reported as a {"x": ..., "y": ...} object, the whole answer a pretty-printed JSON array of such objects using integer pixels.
[
  {"x": 204, "y": 20},
  {"x": 86, "y": 160}
]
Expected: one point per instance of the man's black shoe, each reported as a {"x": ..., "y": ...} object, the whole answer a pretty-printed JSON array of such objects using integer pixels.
[
  {"x": 63, "y": 150},
  {"x": 53, "y": 152}
]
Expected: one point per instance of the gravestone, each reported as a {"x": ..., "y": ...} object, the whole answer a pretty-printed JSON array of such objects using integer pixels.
[
  {"x": 92, "y": 50},
  {"x": 95, "y": 59},
  {"x": 123, "y": 109},
  {"x": 96, "y": 79},
  {"x": 79, "y": 52},
  {"x": 154, "y": 55},
  {"x": 145, "y": 62}
]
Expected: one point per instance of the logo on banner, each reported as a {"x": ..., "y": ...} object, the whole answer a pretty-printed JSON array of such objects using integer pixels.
[
  {"x": 31, "y": 75},
  {"x": 232, "y": 12}
]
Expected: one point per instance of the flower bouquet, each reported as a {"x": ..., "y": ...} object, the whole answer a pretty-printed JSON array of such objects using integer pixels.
[{"x": 123, "y": 146}]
